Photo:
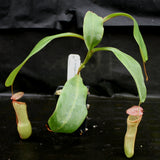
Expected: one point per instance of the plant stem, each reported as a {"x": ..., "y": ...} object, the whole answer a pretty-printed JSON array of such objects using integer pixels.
[
  {"x": 88, "y": 56},
  {"x": 145, "y": 71},
  {"x": 12, "y": 89}
]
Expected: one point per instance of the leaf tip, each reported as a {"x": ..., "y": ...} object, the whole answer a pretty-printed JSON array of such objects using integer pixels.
[{"x": 7, "y": 84}]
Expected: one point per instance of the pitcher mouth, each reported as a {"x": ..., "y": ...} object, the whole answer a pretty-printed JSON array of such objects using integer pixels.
[
  {"x": 14, "y": 101},
  {"x": 134, "y": 119}
]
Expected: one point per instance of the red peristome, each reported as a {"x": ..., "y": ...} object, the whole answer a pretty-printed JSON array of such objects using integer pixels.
[
  {"x": 14, "y": 101},
  {"x": 135, "y": 111},
  {"x": 17, "y": 95}
]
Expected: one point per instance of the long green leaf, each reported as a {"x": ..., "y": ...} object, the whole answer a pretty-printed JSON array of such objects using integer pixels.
[
  {"x": 136, "y": 33},
  {"x": 40, "y": 45},
  {"x": 71, "y": 108},
  {"x": 132, "y": 66},
  {"x": 92, "y": 30}
]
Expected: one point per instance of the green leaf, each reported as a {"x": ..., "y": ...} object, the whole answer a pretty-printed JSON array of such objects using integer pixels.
[
  {"x": 71, "y": 108},
  {"x": 92, "y": 30},
  {"x": 40, "y": 45},
  {"x": 136, "y": 33},
  {"x": 132, "y": 66}
]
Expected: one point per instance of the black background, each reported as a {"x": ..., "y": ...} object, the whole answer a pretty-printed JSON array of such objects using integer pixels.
[{"x": 24, "y": 23}]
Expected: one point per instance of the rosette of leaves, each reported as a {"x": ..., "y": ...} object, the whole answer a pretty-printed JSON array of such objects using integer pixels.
[{"x": 70, "y": 110}]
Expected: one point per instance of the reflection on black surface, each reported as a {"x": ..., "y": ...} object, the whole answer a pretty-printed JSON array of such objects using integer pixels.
[{"x": 103, "y": 140}]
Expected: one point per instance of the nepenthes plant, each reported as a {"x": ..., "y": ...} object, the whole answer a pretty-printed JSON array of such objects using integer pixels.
[{"x": 71, "y": 111}]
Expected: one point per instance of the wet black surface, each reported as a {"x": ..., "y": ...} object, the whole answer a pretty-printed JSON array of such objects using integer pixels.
[{"x": 102, "y": 141}]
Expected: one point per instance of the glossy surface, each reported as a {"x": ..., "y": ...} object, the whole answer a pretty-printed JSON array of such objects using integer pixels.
[
  {"x": 71, "y": 108},
  {"x": 92, "y": 30},
  {"x": 103, "y": 140}
]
